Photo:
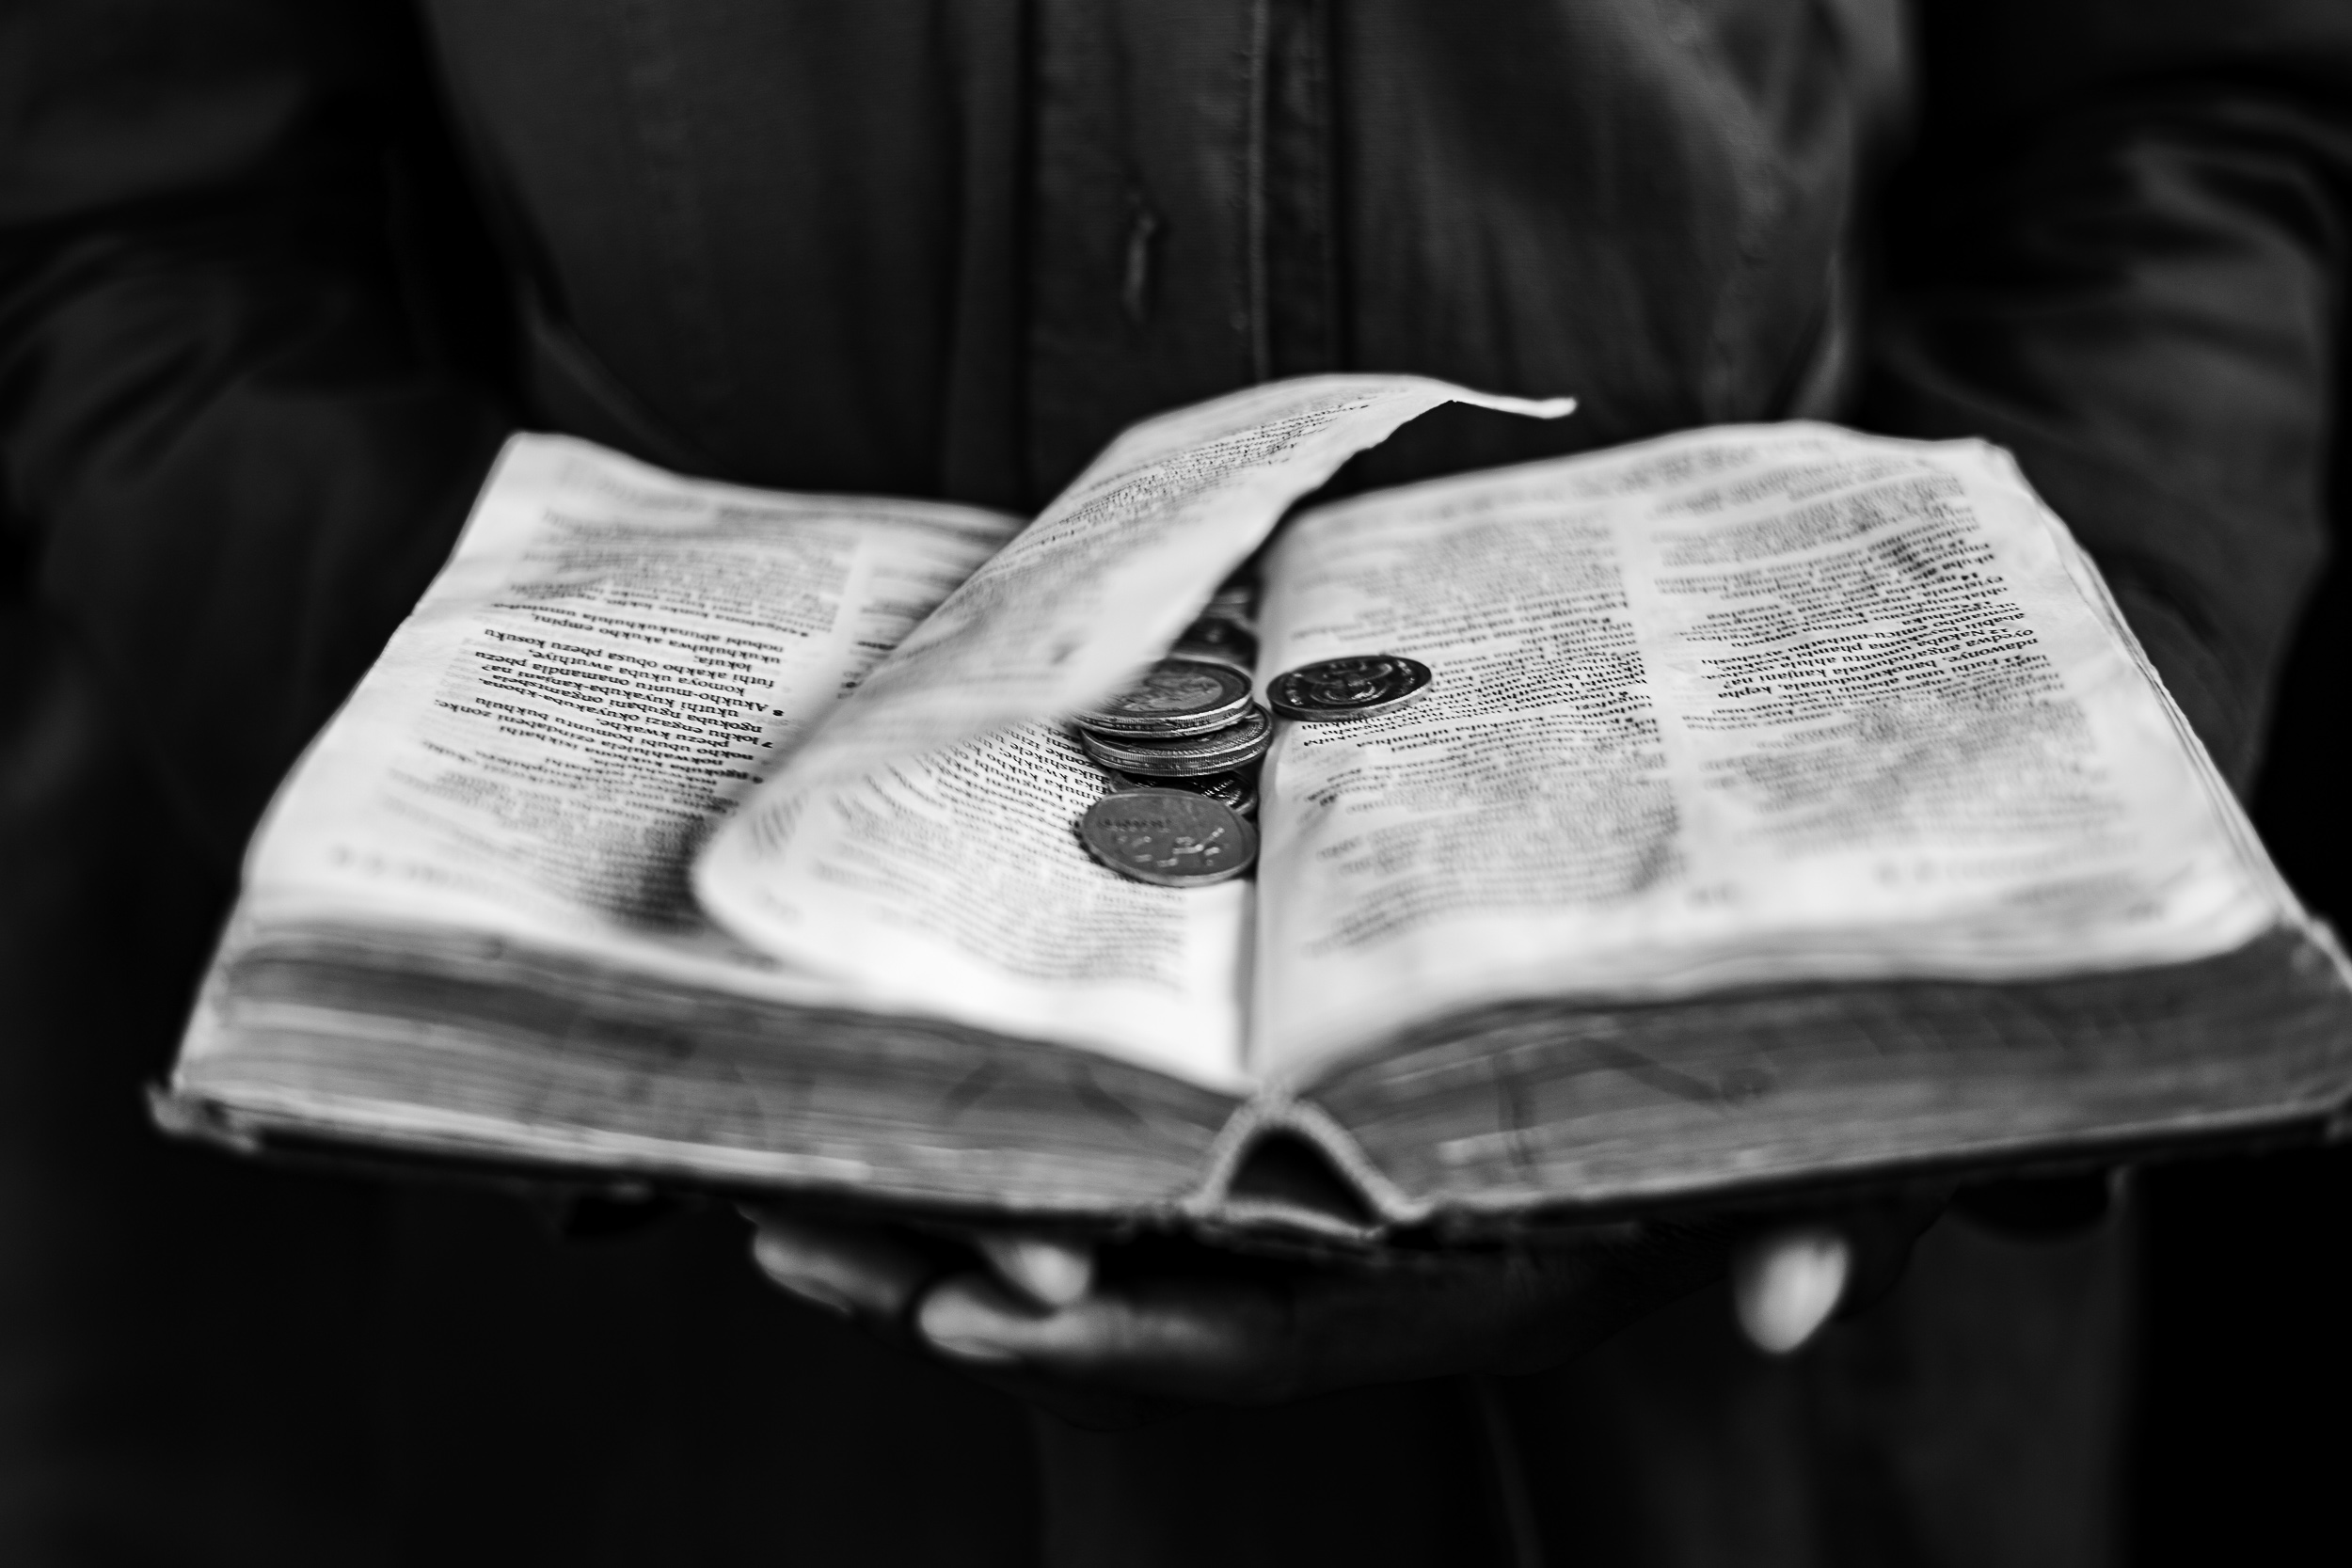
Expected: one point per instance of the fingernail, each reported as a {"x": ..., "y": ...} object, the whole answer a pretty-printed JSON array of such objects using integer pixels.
[
  {"x": 812, "y": 1277},
  {"x": 959, "y": 1324},
  {"x": 1785, "y": 1287},
  {"x": 816, "y": 1292},
  {"x": 1051, "y": 1273}
]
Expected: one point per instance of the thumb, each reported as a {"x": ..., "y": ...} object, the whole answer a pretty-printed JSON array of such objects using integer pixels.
[
  {"x": 1051, "y": 1271},
  {"x": 1786, "y": 1283}
]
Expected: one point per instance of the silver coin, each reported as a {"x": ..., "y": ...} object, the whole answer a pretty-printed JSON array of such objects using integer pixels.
[
  {"x": 1172, "y": 837},
  {"x": 1175, "y": 697},
  {"x": 1348, "y": 688},
  {"x": 1225, "y": 789},
  {"x": 1184, "y": 756}
]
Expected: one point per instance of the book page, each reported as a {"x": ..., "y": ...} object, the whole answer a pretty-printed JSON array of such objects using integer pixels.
[
  {"x": 1101, "y": 583},
  {"x": 956, "y": 883},
  {"x": 1118, "y": 565},
  {"x": 924, "y": 841},
  {"x": 613, "y": 661},
  {"x": 1750, "y": 705}
]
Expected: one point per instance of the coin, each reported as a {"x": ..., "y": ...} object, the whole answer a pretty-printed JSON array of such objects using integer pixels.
[
  {"x": 1237, "y": 596},
  {"x": 1348, "y": 688},
  {"x": 1172, "y": 837},
  {"x": 1184, "y": 756},
  {"x": 1175, "y": 697},
  {"x": 1234, "y": 606},
  {"x": 1225, "y": 789},
  {"x": 1219, "y": 642},
  {"x": 1209, "y": 653}
]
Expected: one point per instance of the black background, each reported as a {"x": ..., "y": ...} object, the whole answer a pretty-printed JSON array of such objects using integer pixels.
[{"x": 2245, "y": 1347}]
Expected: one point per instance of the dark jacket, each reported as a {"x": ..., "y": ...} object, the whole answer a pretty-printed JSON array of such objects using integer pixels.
[{"x": 276, "y": 274}]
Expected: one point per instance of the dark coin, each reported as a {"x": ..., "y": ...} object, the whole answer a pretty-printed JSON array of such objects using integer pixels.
[
  {"x": 1347, "y": 687},
  {"x": 1217, "y": 642},
  {"x": 1237, "y": 596},
  {"x": 1187, "y": 756},
  {"x": 1227, "y": 789},
  {"x": 1175, "y": 697},
  {"x": 1233, "y": 609},
  {"x": 1172, "y": 837}
]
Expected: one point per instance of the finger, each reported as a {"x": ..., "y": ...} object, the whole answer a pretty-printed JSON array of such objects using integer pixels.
[
  {"x": 1215, "y": 1341},
  {"x": 1786, "y": 1284},
  {"x": 1255, "y": 1341},
  {"x": 1050, "y": 1271},
  {"x": 971, "y": 1318},
  {"x": 857, "y": 1271}
]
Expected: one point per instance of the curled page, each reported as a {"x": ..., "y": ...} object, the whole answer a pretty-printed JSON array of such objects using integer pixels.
[
  {"x": 1103, "y": 581},
  {"x": 954, "y": 884},
  {"x": 1072, "y": 609}
]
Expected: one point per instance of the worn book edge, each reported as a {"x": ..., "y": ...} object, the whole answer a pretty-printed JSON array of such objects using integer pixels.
[{"x": 1527, "y": 1114}]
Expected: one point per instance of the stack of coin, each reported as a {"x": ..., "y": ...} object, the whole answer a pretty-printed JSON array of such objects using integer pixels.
[
  {"x": 1215, "y": 640},
  {"x": 1238, "y": 789},
  {"x": 1187, "y": 719},
  {"x": 1164, "y": 758},
  {"x": 1226, "y": 630},
  {"x": 1187, "y": 729},
  {"x": 1182, "y": 746}
]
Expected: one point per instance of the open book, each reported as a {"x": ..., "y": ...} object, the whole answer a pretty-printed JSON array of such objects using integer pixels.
[{"x": 1789, "y": 805}]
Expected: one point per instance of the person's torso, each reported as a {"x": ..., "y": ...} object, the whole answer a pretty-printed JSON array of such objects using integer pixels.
[{"x": 951, "y": 247}]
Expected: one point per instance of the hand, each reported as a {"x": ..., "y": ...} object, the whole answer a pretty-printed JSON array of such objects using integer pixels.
[{"x": 1112, "y": 1339}]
